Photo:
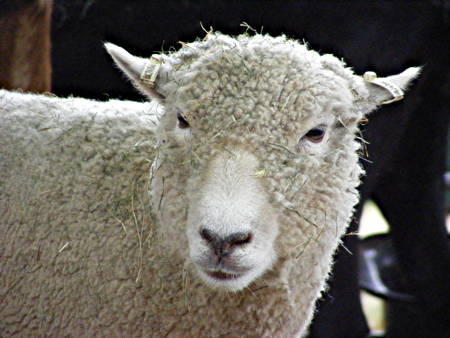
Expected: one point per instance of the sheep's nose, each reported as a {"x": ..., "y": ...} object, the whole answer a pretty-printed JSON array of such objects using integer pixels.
[{"x": 224, "y": 246}]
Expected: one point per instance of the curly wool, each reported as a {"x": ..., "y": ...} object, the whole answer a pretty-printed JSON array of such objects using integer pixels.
[{"x": 73, "y": 178}]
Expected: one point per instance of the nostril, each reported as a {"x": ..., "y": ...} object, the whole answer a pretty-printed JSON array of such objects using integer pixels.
[
  {"x": 240, "y": 238},
  {"x": 207, "y": 235},
  {"x": 221, "y": 246}
]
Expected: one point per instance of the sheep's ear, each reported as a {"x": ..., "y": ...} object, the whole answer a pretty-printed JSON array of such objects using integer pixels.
[
  {"x": 142, "y": 72},
  {"x": 385, "y": 90}
]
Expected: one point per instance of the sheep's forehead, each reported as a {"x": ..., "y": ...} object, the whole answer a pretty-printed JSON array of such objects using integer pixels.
[
  {"x": 262, "y": 82},
  {"x": 260, "y": 94}
]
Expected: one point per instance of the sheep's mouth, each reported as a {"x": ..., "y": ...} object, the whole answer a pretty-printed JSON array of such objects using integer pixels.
[{"x": 220, "y": 275}]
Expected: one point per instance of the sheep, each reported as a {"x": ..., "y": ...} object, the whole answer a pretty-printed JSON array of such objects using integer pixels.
[{"x": 252, "y": 182}]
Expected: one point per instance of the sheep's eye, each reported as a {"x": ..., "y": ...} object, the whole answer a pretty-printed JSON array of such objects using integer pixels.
[
  {"x": 182, "y": 123},
  {"x": 315, "y": 135}
]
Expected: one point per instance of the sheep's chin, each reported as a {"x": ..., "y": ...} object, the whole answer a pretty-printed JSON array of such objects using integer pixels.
[{"x": 235, "y": 282}]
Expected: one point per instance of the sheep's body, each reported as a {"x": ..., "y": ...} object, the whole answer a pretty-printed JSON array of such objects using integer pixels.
[
  {"x": 69, "y": 169},
  {"x": 78, "y": 178}
]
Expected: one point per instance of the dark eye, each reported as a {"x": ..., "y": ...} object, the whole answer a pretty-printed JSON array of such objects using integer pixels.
[
  {"x": 182, "y": 123},
  {"x": 315, "y": 135}
]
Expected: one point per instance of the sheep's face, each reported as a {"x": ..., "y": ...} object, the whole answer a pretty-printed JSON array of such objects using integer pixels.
[
  {"x": 239, "y": 179},
  {"x": 256, "y": 154},
  {"x": 241, "y": 146}
]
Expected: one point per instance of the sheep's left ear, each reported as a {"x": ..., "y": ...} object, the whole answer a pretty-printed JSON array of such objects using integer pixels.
[
  {"x": 142, "y": 72},
  {"x": 385, "y": 90}
]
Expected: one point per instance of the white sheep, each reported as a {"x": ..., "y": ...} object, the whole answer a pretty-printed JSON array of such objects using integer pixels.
[{"x": 252, "y": 183}]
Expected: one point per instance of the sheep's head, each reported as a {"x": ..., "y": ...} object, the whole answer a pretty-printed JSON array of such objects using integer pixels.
[{"x": 257, "y": 151}]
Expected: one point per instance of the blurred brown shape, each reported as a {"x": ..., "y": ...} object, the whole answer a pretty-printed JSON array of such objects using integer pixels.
[{"x": 25, "y": 45}]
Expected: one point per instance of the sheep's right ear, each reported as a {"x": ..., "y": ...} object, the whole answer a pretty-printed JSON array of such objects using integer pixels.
[{"x": 142, "y": 72}]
